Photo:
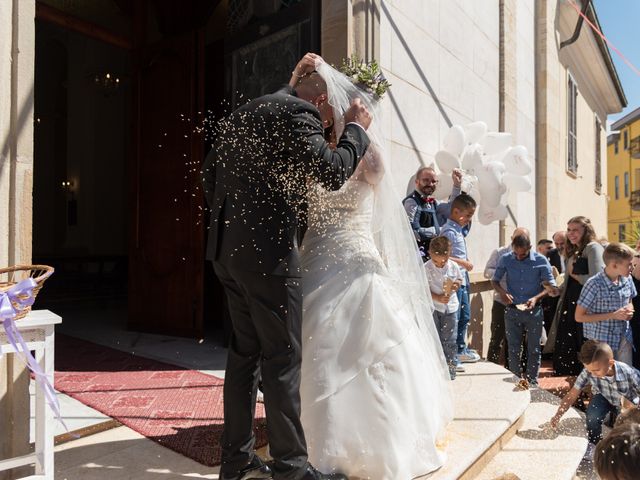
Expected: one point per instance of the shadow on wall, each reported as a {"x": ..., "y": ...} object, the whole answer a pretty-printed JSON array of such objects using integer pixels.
[{"x": 424, "y": 78}]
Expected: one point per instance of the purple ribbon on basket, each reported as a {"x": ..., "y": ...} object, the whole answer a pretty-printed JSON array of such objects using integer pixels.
[{"x": 21, "y": 295}]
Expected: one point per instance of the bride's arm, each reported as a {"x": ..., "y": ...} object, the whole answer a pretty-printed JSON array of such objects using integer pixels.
[{"x": 371, "y": 167}]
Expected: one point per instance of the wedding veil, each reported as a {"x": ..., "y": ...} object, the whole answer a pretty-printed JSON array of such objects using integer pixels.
[{"x": 392, "y": 232}]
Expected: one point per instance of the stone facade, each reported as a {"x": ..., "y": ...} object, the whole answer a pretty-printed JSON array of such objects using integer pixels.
[
  {"x": 458, "y": 62},
  {"x": 17, "y": 41},
  {"x": 623, "y": 179},
  {"x": 449, "y": 61},
  {"x": 498, "y": 61},
  {"x": 583, "y": 63}
]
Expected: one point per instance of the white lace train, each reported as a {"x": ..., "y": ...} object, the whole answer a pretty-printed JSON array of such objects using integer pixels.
[{"x": 374, "y": 401}]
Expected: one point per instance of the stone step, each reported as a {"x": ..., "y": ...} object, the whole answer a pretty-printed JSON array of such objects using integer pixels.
[
  {"x": 488, "y": 412},
  {"x": 534, "y": 453}
]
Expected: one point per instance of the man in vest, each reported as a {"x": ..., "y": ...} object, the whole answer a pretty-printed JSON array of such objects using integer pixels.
[{"x": 425, "y": 213}]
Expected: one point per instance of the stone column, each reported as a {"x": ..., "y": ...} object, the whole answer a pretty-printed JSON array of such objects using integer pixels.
[
  {"x": 349, "y": 27},
  {"x": 507, "y": 89},
  {"x": 543, "y": 38},
  {"x": 366, "y": 29},
  {"x": 336, "y": 31},
  {"x": 17, "y": 43}
]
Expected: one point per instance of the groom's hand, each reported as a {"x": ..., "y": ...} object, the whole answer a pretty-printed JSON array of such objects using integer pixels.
[{"x": 358, "y": 113}]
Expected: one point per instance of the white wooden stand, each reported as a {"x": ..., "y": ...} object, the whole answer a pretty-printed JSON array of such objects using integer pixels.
[{"x": 37, "y": 329}]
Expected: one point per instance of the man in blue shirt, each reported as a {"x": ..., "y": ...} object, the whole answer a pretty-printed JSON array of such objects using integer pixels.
[{"x": 526, "y": 271}]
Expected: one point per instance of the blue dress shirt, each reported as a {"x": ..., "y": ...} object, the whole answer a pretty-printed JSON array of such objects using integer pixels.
[
  {"x": 455, "y": 233},
  {"x": 524, "y": 277}
]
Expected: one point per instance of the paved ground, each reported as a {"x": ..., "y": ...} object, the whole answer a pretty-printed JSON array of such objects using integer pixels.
[{"x": 123, "y": 454}]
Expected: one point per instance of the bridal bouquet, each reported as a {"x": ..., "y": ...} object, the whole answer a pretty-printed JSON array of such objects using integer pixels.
[{"x": 367, "y": 76}]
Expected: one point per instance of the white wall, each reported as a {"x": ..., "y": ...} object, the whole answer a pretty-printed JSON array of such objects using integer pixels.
[{"x": 453, "y": 48}]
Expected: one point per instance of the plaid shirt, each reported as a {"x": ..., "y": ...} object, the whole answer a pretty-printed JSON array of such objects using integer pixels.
[
  {"x": 601, "y": 295},
  {"x": 625, "y": 382}
]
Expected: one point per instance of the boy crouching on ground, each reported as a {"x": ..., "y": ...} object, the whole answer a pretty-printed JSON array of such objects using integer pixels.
[{"x": 612, "y": 384}]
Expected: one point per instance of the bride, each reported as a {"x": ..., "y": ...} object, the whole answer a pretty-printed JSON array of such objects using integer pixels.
[{"x": 375, "y": 386}]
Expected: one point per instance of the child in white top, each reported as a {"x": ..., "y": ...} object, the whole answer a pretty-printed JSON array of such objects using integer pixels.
[{"x": 445, "y": 277}]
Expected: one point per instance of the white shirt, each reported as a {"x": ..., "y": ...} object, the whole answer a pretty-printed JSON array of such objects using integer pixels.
[
  {"x": 490, "y": 269},
  {"x": 437, "y": 277}
]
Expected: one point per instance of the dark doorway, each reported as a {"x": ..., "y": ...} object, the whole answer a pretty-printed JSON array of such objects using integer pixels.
[
  {"x": 81, "y": 143},
  {"x": 122, "y": 90}
]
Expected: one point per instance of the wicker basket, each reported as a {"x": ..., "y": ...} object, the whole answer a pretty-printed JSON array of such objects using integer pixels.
[{"x": 12, "y": 275}]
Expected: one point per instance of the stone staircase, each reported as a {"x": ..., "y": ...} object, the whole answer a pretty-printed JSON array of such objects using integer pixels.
[{"x": 496, "y": 435}]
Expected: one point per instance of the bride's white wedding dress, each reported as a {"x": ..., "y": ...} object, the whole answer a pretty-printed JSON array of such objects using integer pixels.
[{"x": 374, "y": 393}]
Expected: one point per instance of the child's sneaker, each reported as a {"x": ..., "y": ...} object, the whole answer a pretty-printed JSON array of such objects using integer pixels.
[
  {"x": 468, "y": 356},
  {"x": 460, "y": 368}
]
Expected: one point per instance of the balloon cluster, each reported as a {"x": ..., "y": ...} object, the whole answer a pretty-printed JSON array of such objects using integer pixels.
[{"x": 491, "y": 166}]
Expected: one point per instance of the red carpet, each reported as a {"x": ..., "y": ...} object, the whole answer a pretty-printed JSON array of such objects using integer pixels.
[{"x": 178, "y": 408}]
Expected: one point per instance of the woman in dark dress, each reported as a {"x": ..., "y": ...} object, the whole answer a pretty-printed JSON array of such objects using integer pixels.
[{"x": 583, "y": 260}]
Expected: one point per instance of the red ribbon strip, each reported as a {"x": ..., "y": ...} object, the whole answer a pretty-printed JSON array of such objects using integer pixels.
[{"x": 613, "y": 47}]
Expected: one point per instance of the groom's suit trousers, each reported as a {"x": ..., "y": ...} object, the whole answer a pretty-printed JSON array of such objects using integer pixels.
[{"x": 266, "y": 317}]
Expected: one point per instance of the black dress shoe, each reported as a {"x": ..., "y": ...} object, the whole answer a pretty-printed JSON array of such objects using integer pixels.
[
  {"x": 255, "y": 470},
  {"x": 313, "y": 474}
]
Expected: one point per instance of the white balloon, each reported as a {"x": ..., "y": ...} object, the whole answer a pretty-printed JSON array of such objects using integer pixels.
[
  {"x": 497, "y": 167},
  {"x": 446, "y": 161},
  {"x": 472, "y": 157},
  {"x": 488, "y": 215},
  {"x": 496, "y": 142},
  {"x": 490, "y": 183},
  {"x": 492, "y": 171},
  {"x": 468, "y": 182},
  {"x": 445, "y": 185},
  {"x": 475, "y": 193},
  {"x": 516, "y": 183},
  {"x": 490, "y": 197},
  {"x": 475, "y": 131},
  {"x": 517, "y": 160},
  {"x": 454, "y": 140}
]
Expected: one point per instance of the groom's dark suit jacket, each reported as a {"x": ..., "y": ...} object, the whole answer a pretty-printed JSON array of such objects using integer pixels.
[{"x": 255, "y": 179}]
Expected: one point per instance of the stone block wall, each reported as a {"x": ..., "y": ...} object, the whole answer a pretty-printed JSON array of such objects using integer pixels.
[{"x": 17, "y": 40}]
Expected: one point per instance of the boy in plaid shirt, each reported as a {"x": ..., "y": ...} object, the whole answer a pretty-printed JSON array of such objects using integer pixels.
[
  {"x": 605, "y": 305},
  {"x": 612, "y": 384}
]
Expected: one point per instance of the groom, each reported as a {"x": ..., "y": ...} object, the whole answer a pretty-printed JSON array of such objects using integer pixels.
[{"x": 255, "y": 181}]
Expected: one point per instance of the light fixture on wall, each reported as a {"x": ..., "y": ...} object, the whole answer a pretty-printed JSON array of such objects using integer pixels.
[
  {"x": 72, "y": 204},
  {"x": 107, "y": 82}
]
